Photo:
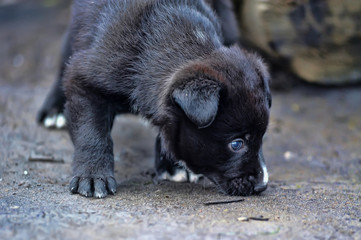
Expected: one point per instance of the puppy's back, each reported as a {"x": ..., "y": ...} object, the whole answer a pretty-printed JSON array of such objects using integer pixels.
[
  {"x": 128, "y": 41},
  {"x": 124, "y": 21},
  {"x": 93, "y": 20}
]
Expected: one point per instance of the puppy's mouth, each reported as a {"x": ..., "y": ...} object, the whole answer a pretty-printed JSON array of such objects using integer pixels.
[
  {"x": 241, "y": 186},
  {"x": 245, "y": 185}
]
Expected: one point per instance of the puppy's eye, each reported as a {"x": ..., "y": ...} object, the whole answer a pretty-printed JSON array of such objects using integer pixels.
[{"x": 236, "y": 145}]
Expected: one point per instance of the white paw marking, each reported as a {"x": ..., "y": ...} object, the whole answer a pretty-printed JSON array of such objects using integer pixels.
[
  {"x": 55, "y": 121},
  {"x": 179, "y": 176},
  {"x": 50, "y": 121},
  {"x": 194, "y": 178},
  {"x": 164, "y": 176},
  {"x": 60, "y": 121}
]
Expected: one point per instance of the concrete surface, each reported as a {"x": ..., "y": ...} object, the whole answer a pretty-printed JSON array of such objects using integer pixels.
[{"x": 312, "y": 148}]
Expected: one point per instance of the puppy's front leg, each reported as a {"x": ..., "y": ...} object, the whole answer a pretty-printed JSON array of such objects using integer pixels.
[{"x": 90, "y": 119}]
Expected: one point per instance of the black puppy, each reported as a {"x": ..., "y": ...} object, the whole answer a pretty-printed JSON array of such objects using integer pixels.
[{"x": 164, "y": 60}]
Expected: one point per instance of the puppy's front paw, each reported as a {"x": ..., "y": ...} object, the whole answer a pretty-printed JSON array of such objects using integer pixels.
[
  {"x": 179, "y": 174},
  {"x": 98, "y": 187}
]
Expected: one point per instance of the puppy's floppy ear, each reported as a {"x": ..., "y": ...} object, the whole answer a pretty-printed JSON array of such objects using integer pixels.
[{"x": 199, "y": 101}]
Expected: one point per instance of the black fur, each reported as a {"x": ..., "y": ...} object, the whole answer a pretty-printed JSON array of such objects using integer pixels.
[{"x": 167, "y": 61}]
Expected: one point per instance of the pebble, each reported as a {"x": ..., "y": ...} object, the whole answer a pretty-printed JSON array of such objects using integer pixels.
[
  {"x": 288, "y": 155},
  {"x": 295, "y": 108},
  {"x": 243, "y": 219},
  {"x": 25, "y": 183}
]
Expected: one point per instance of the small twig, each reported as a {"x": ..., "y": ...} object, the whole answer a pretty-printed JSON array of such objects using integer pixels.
[
  {"x": 46, "y": 159},
  {"x": 259, "y": 218},
  {"x": 222, "y": 202}
]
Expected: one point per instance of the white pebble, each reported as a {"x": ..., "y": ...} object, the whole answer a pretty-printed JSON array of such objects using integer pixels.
[{"x": 289, "y": 155}]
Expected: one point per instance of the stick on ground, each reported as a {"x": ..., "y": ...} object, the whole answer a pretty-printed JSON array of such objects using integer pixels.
[
  {"x": 222, "y": 202},
  {"x": 45, "y": 159}
]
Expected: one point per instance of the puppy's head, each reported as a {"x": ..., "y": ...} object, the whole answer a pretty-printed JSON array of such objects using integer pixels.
[{"x": 221, "y": 111}]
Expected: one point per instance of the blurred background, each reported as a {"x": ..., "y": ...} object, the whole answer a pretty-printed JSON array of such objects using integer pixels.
[
  {"x": 31, "y": 34},
  {"x": 317, "y": 41}
]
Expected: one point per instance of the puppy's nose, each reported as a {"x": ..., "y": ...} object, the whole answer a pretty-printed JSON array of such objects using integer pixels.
[
  {"x": 262, "y": 179},
  {"x": 258, "y": 188}
]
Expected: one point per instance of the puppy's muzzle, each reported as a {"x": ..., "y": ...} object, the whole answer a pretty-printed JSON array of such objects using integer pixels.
[{"x": 253, "y": 181}]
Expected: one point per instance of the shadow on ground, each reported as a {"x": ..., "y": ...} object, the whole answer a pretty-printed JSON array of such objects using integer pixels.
[{"x": 313, "y": 151}]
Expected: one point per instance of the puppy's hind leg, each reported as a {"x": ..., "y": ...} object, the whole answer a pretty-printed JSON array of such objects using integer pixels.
[
  {"x": 167, "y": 169},
  {"x": 51, "y": 113}
]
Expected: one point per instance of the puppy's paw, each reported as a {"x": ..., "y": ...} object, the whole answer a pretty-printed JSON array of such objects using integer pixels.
[
  {"x": 194, "y": 178},
  {"x": 51, "y": 113},
  {"x": 98, "y": 187},
  {"x": 179, "y": 174},
  {"x": 55, "y": 121},
  {"x": 51, "y": 117}
]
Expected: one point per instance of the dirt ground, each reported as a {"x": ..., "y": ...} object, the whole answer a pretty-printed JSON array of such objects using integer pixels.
[{"x": 312, "y": 149}]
